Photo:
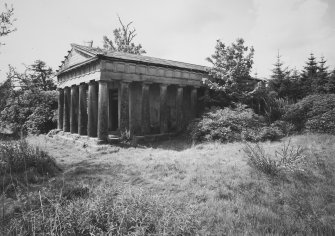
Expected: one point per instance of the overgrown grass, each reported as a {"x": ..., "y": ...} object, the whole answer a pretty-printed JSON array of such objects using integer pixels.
[
  {"x": 301, "y": 187},
  {"x": 206, "y": 189},
  {"x": 22, "y": 164},
  {"x": 106, "y": 210}
]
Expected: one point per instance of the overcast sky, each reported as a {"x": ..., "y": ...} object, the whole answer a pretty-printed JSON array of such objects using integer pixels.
[{"x": 183, "y": 30}]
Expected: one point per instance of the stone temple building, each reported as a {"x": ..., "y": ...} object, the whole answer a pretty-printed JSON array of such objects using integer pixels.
[{"x": 104, "y": 93}]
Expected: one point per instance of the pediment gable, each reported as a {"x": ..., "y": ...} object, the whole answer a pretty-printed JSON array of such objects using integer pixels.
[{"x": 74, "y": 57}]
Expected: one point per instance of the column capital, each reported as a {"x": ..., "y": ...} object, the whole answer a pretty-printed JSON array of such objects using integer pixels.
[
  {"x": 125, "y": 81},
  {"x": 92, "y": 82},
  {"x": 147, "y": 82},
  {"x": 163, "y": 85}
]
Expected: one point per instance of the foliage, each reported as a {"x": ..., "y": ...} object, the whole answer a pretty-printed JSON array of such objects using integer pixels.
[
  {"x": 32, "y": 106},
  {"x": 123, "y": 40},
  {"x": 225, "y": 125},
  {"x": 6, "y": 90},
  {"x": 314, "y": 112},
  {"x": 6, "y": 21},
  {"x": 230, "y": 66},
  {"x": 22, "y": 163}
]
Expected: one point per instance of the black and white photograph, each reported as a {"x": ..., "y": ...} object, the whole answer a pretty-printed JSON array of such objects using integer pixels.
[{"x": 153, "y": 117}]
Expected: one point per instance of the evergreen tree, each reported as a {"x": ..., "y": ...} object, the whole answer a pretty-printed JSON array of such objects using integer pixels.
[
  {"x": 330, "y": 86},
  {"x": 319, "y": 84},
  {"x": 309, "y": 74},
  {"x": 280, "y": 81}
]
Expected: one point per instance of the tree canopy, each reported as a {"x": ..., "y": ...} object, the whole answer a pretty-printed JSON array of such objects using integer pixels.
[
  {"x": 123, "y": 40},
  {"x": 6, "y": 21},
  {"x": 29, "y": 99},
  {"x": 230, "y": 65}
]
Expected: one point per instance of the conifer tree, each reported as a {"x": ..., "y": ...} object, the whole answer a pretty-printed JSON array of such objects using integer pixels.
[
  {"x": 330, "y": 86},
  {"x": 280, "y": 78},
  {"x": 319, "y": 84},
  {"x": 309, "y": 74}
]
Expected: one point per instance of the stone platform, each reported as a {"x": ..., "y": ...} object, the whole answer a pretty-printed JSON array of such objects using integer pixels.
[{"x": 113, "y": 138}]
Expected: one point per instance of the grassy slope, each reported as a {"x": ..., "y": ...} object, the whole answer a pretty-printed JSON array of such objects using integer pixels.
[{"x": 214, "y": 180}]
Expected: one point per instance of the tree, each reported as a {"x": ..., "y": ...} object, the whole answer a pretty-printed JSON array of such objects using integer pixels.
[
  {"x": 31, "y": 105},
  {"x": 309, "y": 74},
  {"x": 6, "y": 21},
  {"x": 41, "y": 76},
  {"x": 331, "y": 82},
  {"x": 280, "y": 79},
  {"x": 230, "y": 66},
  {"x": 319, "y": 84},
  {"x": 123, "y": 40}
]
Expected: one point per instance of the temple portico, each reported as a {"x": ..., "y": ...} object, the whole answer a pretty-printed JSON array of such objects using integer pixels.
[{"x": 101, "y": 93}]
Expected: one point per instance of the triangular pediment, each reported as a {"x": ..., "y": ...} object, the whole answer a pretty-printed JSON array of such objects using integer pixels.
[{"x": 74, "y": 57}]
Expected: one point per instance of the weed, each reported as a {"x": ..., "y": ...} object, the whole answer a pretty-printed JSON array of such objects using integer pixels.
[{"x": 287, "y": 158}]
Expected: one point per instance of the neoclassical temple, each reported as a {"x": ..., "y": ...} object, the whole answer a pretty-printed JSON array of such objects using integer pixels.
[{"x": 103, "y": 92}]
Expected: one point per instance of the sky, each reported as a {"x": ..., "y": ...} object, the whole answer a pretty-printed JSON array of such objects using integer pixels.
[{"x": 181, "y": 30}]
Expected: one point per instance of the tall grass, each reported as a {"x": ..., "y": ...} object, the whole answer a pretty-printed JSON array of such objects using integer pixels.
[
  {"x": 301, "y": 187},
  {"x": 21, "y": 164},
  {"x": 108, "y": 210}
]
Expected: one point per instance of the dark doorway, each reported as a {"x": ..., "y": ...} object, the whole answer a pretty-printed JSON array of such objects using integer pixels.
[{"x": 113, "y": 123}]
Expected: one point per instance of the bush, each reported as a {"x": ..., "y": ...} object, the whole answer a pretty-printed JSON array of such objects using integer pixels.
[
  {"x": 40, "y": 121},
  {"x": 228, "y": 125},
  {"x": 313, "y": 113},
  {"x": 31, "y": 111},
  {"x": 225, "y": 125}
]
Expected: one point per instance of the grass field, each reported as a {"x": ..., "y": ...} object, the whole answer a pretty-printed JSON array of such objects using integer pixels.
[{"x": 176, "y": 188}]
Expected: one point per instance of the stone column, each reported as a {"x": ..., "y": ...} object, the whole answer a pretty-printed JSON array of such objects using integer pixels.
[
  {"x": 163, "y": 108},
  {"x": 194, "y": 99},
  {"x": 92, "y": 123},
  {"x": 74, "y": 109},
  {"x": 179, "y": 108},
  {"x": 103, "y": 111},
  {"x": 67, "y": 104},
  {"x": 60, "y": 108},
  {"x": 82, "y": 113},
  {"x": 145, "y": 114},
  {"x": 124, "y": 106}
]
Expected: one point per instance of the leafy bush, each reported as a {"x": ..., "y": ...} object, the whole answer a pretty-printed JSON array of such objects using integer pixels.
[
  {"x": 32, "y": 111},
  {"x": 324, "y": 123},
  {"x": 40, "y": 121},
  {"x": 224, "y": 125},
  {"x": 314, "y": 113},
  {"x": 21, "y": 163},
  {"x": 228, "y": 125}
]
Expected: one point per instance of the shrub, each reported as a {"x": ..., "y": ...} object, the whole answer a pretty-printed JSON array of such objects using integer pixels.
[
  {"x": 314, "y": 113},
  {"x": 40, "y": 121},
  {"x": 32, "y": 111},
  {"x": 324, "y": 123},
  {"x": 225, "y": 125}
]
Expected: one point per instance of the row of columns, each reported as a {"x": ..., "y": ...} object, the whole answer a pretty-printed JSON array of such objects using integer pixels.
[{"x": 89, "y": 115}]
